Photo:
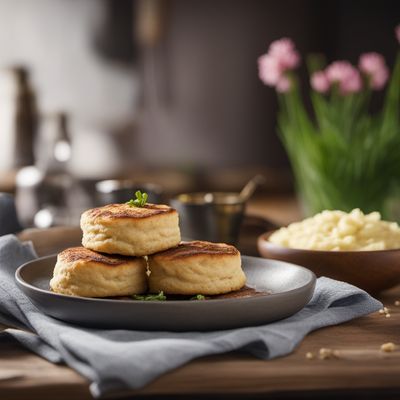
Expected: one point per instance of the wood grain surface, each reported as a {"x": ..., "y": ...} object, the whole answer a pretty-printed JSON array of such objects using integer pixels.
[{"x": 360, "y": 367}]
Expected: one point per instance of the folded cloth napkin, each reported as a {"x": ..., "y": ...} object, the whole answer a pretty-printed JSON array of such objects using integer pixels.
[{"x": 118, "y": 360}]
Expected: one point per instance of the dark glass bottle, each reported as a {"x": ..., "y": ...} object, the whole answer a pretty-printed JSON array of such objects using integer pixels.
[{"x": 19, "y": 118}]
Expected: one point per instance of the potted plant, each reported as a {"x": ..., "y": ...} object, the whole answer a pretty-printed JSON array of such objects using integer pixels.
[{"x": 343, "y": 156}]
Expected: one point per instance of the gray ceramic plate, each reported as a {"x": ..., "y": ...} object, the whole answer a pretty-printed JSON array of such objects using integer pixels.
[{"x": 288, "y": 288}]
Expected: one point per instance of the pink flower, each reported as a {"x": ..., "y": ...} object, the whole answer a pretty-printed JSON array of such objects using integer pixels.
[
  {"x": 345, "y": 75},
  {"x": 283, "y": 84},
  {"x": 373, "y": 65},
  {"x": 338, "y": 71},
  {"x": 282, "y": 45},
  {"x": 269, "y": 70},
  {"x": 285, "y": 52},
  {"x": 319, "y": 82},
  {"x": 282, "y": 57},
  {"x": 397, "y": 32},
  {"x": 351, "y": 85}
]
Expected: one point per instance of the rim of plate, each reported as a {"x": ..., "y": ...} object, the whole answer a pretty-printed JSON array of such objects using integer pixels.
[{"x": 22, "y": 282}]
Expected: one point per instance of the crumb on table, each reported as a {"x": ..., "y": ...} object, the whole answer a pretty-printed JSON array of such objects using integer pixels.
[
  {"x": 309, "y": 355},
  {"x": 388, "y": 347},
  {"x": 325, "y": 354}
]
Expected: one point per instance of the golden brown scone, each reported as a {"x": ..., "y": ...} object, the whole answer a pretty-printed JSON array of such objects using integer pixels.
[
  {"x": 196, "y": 268},
  {"x": 130, "y": 231},
  {"x": 83, "y": 272}
]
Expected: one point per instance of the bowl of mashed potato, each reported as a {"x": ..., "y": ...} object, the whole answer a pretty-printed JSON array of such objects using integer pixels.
[{"x": 358, "y": 248}]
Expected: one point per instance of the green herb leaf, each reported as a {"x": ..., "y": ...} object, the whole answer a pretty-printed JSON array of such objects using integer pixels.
[
  {"x": 140, "y": 201},
  {"x": 150, "y": 297},
  {"x": 198, "y": 297}
]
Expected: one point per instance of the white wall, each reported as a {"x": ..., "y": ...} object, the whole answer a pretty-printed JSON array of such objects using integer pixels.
[{"x": 54, "y": 39}]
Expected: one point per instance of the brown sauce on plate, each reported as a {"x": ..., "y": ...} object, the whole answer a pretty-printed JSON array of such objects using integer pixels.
[{"x": 244, "y": 292}]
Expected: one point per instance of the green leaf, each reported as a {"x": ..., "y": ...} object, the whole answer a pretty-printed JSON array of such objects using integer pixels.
[
  {"x": 140, "y": 201},
  {"x": 315, "y": 62},
  {"x": 391, "y": 106},
  {"x": 198, "y": 297},
  {"x": 150, "y": 297}
]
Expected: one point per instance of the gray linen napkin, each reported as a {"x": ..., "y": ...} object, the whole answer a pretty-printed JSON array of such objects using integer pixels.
[{"x": 118, "y": 360}]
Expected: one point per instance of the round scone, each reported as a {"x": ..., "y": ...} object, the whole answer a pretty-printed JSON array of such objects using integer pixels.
[
  {"x": 130, "y": 231},
  {"x": 196, "y": 268},
  {"x": 83, "y": 272}
]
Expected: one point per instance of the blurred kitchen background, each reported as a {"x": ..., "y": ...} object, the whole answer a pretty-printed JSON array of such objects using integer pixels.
[{"x": 161, "y": 92}]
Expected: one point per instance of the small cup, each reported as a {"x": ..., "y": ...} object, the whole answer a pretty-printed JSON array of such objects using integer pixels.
[
  {"x": 213, "y": 216},
  {"x": 120, "y": 191}
]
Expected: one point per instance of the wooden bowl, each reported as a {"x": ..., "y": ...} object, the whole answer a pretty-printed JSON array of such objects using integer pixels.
[{"x": 373, "y": 271}]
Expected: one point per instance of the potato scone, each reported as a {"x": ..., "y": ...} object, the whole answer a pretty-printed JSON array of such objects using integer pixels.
[
  {"x": 196, "y": 268},
  {"x": 83, "y": 272},
  {"x": 130, "y": 231}
]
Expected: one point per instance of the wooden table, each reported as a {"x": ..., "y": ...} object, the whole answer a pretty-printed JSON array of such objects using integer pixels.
[{"x": 360, "y": 368}]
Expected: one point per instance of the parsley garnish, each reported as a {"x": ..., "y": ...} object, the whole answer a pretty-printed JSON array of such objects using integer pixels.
[
  {"x": 140, "y": 200},
  {"x": 198, "y": 297},
  {"x": 150, "y": 297}
]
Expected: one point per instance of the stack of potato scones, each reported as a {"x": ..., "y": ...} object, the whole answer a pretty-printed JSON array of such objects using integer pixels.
[{"x": 130, "y": 250}]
